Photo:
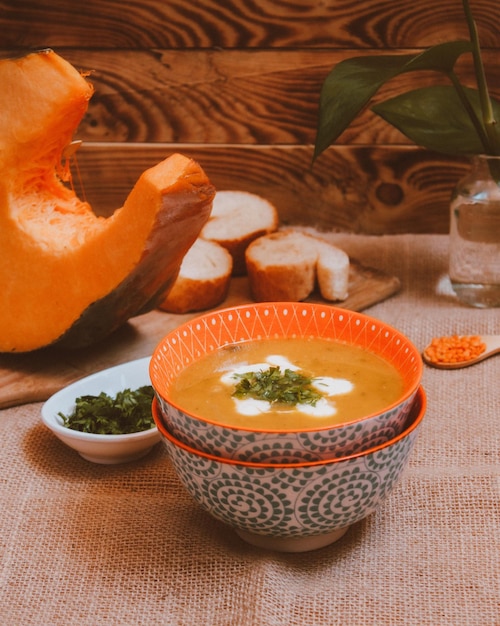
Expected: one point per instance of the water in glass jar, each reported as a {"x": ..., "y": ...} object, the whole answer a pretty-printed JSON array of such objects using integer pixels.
[{"x": 475, "y": 252}]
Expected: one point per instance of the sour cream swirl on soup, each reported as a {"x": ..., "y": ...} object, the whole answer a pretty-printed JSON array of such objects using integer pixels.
[
  {"x": 327, "y": 386},
  {"x": 336, "y": 382}
]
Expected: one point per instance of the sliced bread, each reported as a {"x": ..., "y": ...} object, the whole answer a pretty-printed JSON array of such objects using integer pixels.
[
  {"x": 237, "y": 219},
  {"x": 286, "y": 265},
  {"x": 203, "y": 279},
  {"x": 332, "y": 271},
  {"x": 281, "y": 267}
]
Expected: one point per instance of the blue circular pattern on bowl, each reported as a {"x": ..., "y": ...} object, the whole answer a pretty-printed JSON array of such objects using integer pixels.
[
  {"x": 281, "y": 447},
  {"x": 292, "y": 501},
  {"x": 295, "y": 500}
]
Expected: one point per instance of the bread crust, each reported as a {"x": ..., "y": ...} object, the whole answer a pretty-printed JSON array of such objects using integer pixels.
[
  {"x": 281, "y": 267},
  {"x": 188, "y": 295},
  {"x": 203, "y": 279},
  {"x": 286, "y": 266},
  {"x": 332, "y": 272}
]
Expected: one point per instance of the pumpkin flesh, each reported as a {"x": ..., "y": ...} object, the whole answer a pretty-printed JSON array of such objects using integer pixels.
[{"x": 66, "y": 275}]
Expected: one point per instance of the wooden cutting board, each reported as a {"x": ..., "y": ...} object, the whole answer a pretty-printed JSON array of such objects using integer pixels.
[{"x": 35, "y": 376}]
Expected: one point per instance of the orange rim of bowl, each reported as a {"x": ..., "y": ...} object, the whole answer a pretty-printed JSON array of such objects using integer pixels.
[
  {"x": 414, "y": 422},
  {"x": 176, "y": 338}
]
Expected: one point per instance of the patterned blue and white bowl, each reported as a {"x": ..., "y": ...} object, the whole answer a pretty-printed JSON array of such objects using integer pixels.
[
  {"x": 294, "y": 508},
  {"x": 206, "y": 333}
]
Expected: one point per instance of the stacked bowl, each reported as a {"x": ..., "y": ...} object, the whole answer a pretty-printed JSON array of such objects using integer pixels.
[{"x": 285, "y": 482}]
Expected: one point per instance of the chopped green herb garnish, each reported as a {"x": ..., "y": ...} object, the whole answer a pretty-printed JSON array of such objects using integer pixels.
[
  {"x": 128, "y": 412},
  {"x": 286, "y": 387}
]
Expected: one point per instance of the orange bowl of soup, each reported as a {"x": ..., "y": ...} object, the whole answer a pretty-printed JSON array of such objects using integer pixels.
[{"x": 285, "y": 382}]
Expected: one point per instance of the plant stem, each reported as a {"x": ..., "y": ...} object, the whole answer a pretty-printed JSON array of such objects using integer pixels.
[
  {"x": 489, "y": 121},
  {"x": 470, "y": 110}
]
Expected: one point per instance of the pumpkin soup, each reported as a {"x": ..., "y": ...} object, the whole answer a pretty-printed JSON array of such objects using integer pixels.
[{"x": 287, "y": 384}]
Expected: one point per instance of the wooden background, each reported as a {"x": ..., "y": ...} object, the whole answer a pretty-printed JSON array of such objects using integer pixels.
[{"x": 235, "y": 84}]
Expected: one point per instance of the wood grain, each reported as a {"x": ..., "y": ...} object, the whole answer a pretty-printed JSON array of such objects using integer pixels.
[
  {"x": 181, "y": 24},
  {"x": 259, "y": 97},
  {"x": 34, "y": 377},
  {"x": 374, "y": 190}
]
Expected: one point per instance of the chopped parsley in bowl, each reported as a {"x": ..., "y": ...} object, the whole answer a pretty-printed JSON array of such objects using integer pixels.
[{"x": 118, "y": 439}]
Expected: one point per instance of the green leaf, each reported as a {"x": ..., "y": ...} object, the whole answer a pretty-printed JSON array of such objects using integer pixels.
[
  {"x": 439, "y": 58},
  {"x": 352, "y": 83},
  {"x": 348, "y": 89},
  {"x": 435, "y": 118}
]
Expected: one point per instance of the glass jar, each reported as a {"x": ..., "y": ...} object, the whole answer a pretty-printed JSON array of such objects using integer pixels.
[{"x": 475, "y": 234}]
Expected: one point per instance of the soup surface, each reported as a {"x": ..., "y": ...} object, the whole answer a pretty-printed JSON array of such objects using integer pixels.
[{"x": 351, "y": 382}]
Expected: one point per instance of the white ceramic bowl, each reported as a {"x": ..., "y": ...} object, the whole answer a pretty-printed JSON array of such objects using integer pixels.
[
  {"x": 206, "y": 333},
  {"x": 105, "y": 449},
  {"x": 294, "y": 508}
]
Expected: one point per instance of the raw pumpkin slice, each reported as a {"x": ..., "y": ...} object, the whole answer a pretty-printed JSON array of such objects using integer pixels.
[{"x": 67, "y": 276}]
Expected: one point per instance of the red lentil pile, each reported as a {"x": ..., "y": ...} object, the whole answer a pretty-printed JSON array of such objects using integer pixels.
[{"x": 454, "y": 349}]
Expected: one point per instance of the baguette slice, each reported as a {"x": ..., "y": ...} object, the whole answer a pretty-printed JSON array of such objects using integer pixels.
[
  {"x": 286, "y": 265},
  {"x": 281, "y": 267},
  {"x": 332, "y": 271},
  {"x": 237, "y": 219},
  {"x": 203, "y": 279}
]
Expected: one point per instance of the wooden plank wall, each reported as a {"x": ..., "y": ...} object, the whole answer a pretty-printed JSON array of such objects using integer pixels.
[{"x": 235, "y": 84}]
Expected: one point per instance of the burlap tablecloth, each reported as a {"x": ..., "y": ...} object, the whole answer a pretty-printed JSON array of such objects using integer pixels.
[{"x": 83, "y": 544}]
